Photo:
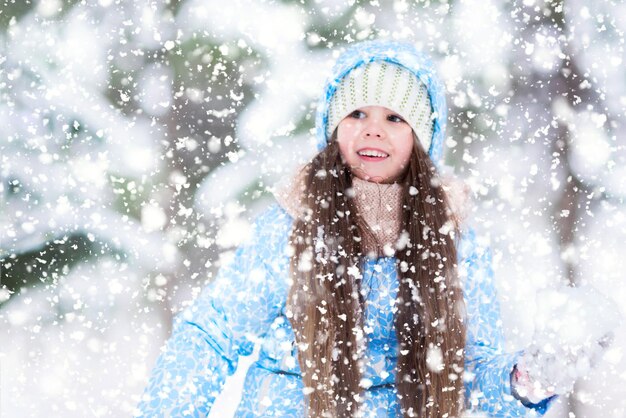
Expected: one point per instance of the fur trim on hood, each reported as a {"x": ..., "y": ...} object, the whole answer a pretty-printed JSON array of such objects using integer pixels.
[{"x": 288, "y": 193}]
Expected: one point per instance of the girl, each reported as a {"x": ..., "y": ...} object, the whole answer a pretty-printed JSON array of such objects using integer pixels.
[{"x": 367, "y": 294}]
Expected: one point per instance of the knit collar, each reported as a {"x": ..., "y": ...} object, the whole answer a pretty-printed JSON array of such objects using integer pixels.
[{"x": 378, "y": 204}]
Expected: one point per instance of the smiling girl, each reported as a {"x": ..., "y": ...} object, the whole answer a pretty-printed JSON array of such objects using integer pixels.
[
  {"x": 365, "y": 290},
  {"x": 375, "y": 143}
]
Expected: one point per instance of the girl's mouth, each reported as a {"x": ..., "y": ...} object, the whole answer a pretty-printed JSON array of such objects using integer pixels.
[{"x": 372, "y": 154}]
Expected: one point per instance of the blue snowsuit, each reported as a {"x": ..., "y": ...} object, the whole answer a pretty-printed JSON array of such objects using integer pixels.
[{"x": 246, "y": 304}]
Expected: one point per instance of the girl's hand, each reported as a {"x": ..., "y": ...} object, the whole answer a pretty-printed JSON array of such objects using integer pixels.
[
  {"x": 573, "y": 327},
  {"x": 523, "y": 387}
]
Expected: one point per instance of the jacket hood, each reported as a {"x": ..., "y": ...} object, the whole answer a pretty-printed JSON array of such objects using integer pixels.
[{"x": 399, "y": 53}]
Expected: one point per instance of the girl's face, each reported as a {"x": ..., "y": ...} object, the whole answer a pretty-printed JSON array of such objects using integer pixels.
[{"x": 375, "y": 143}]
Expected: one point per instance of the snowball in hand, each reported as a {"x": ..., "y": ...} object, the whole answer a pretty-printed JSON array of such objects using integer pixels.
[{"x": 572, "y": 326}]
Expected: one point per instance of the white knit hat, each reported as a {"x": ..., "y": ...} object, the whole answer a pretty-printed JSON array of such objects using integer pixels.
[{"x": 382, "y": 83}]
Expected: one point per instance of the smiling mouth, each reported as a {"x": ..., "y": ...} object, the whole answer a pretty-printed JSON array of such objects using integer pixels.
[{"x": 372, "y": 155}]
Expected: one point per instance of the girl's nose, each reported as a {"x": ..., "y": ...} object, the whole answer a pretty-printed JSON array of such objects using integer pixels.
[{"x": 374, "y": 129}]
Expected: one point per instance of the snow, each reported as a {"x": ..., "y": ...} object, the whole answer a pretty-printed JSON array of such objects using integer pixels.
[{"x": 113, "y": 129}]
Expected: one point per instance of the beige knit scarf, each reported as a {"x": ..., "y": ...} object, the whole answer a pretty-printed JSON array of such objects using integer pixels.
[{"x": 378, "y": 204}]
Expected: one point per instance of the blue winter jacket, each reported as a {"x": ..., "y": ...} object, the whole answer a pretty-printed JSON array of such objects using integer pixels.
[{"x": 246, "y": 304}]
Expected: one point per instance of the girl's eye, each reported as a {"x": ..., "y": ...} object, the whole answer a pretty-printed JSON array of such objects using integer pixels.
[
  {"x": 395, "y": 118},
  {"x": 357, "y": 114}
]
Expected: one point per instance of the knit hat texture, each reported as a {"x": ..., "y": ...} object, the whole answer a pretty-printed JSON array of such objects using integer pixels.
[{"x": 382, "y": 83}]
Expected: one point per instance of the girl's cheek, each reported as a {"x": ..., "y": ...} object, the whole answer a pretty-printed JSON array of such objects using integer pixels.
[{"x": 343, "y": 148}]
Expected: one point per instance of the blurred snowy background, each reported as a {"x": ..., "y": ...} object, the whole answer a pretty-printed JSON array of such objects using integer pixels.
[{"x": 138, "y": 139}]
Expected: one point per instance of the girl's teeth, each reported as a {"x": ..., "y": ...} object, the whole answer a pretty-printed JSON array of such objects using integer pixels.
[{"x": 373, "y": 154}]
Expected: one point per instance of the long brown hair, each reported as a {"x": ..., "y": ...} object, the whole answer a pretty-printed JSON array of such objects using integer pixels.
[{"x": 326, "y": 304}]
